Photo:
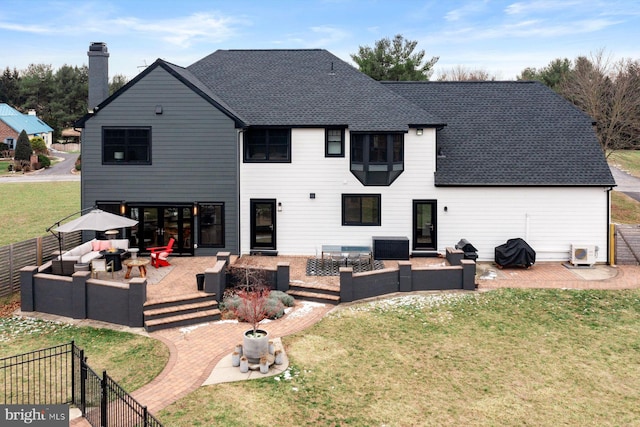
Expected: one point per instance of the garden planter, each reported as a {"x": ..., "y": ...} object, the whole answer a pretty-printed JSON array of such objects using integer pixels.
[
  {"x": 244, "y": 365},
  {"x": 254, "y": 347}
]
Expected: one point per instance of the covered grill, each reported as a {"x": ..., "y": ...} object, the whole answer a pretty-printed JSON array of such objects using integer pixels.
[
  {"x": 470, "y": 252},
  {"x": 516, "y": 252}
]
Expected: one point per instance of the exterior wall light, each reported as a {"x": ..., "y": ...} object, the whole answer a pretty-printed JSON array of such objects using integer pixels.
[
  {"x": 419, "y": 131},
  {"x": 279, "y": 206}
]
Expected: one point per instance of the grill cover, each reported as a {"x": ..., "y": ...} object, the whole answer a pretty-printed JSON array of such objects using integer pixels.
[{"x": 515, "y": 252}]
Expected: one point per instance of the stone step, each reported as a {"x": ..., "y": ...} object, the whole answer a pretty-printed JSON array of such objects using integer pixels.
[
  {"x": 314, "y": 296},
  {"x": 168, "y": 311},
  {"x": 182, "y": 320},
  {"x": 177, "y": 300},
  {"x": 320, "y": 288}
]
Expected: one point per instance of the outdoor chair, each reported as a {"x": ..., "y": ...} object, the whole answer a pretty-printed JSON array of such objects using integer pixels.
[
  {"x": 98, "y": 265},
  {"x": 160, "y": 254}
]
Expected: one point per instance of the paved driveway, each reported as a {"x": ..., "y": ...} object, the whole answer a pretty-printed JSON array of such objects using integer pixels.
[
  {"x": 627, "y": 184},
  {"x": 61, "y": 171}
]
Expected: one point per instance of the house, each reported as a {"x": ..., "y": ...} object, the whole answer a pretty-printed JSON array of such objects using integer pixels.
[
  {"x": 283, "y": 151},
  {"x": 12, "y": 122}
]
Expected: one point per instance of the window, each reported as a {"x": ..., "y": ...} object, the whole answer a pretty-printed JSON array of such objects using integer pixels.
[
  {"x": 126, "y": 146},
  {"x": 361, "y": 209},
  {"x": 10, "y": 143},
  {"x": 211, "y": 225},
  {"x": 268, "y": 145},
  {"x": 377, "y": 159},
  {"x": 334, "y": 143}
]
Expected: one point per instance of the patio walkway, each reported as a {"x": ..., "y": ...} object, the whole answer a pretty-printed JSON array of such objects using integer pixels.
[{"x": 196, "y": 350}]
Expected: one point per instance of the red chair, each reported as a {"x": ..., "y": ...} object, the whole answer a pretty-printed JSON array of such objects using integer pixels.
[{"x": 160, "y": 254}]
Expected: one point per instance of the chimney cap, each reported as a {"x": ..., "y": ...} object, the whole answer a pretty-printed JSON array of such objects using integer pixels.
[{"x": 98, "y": 47}]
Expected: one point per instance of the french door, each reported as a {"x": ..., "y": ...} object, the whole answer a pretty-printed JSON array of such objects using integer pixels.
[
  {"x": 263, "y": 224},
  {"x": 424, "y": 225},
  {"x": 158, "y": 224}
]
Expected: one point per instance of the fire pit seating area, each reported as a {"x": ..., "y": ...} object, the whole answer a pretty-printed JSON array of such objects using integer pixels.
[{"x": 85, "y": 253}]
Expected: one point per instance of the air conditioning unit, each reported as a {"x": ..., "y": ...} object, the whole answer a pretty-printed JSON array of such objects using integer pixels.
[{"x": 584, "y": 254}]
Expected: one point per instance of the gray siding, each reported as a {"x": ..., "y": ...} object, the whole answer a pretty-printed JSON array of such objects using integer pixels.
[{"x": 193, "y": 150}]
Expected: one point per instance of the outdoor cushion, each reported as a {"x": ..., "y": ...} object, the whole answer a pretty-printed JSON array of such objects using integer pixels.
[
  {"x": 88, "y": 257},
  {"x": 95, "y": 245},
  {"x": 121, "y": 244},
  {"x": 105, "y": 244}
]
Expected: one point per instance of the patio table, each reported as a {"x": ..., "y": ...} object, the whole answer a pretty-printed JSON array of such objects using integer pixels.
[
  {"x": 141, "y": 263},
  {"x": 349, "y": 250}
]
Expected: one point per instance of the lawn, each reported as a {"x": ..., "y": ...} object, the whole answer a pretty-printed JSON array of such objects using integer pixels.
[
  {"x": 507, "y": 357},
  {"x": 28, "y": 209},
  {"x": 132, "y": 360},
  {"x": 627, "y": 160}
]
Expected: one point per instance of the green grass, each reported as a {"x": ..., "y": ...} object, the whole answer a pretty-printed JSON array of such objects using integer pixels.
[
  {"x": 132, "y": 360},
  {"x": 28, "y": 209},
  {"x": 627, "y": 160},
  {"x": 507, "y": 357}
]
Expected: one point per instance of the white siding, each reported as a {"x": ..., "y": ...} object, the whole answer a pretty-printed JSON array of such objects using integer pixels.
[
  {"x": 304, "y": 223},
  {"x": 549, "y": 219}
]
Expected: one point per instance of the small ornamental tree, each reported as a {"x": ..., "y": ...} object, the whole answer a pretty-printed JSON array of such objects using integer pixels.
[
  {"x": 253, "y": 306},
  {"x": 23, "y": 148},
  {"x": 38, "y": 145}
]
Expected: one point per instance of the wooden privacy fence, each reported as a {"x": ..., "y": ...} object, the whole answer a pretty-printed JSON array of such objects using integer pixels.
[{"x": 34, "y": 251}]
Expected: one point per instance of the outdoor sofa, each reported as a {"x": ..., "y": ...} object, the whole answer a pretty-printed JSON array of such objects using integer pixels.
[{"x": 85, "y": 253}]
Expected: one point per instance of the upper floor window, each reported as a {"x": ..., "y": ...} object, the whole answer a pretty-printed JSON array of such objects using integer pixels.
[
  {"x": 130, "y": 145},
  {"x": 377, "y": 158},
  {"x": 334, "y": 143},
  {"x": 267, "y": 145}
]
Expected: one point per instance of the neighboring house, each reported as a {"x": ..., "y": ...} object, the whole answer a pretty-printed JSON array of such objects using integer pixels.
[
  {"x": 12, "y": 122},
  {"x": 282, "y": 151}
]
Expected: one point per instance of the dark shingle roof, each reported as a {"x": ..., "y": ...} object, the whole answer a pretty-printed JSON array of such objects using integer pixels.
[
  {"x": 305, "y": 88},
  {"x": 509, "y": 133}
]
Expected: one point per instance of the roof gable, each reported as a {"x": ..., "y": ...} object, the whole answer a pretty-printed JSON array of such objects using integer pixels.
[
  {"x": 509, "y": 133},
  {"x": 181, "y": 74},
  {"x": 305, "y": 88}
]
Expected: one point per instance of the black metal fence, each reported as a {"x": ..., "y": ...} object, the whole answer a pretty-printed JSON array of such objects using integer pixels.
[{"x": 60, "y": 375}]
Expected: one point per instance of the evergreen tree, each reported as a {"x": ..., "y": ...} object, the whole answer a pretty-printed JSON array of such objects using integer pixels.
[
  {"x": 23, "y": 147},
  {"x": 394, "y": 60}
]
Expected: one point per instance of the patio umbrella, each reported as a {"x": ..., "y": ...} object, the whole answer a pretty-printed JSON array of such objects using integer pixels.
[{"x": 96, "y": 219}]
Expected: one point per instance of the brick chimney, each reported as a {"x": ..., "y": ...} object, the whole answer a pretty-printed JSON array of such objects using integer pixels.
[{"x": 98, "y": 74}]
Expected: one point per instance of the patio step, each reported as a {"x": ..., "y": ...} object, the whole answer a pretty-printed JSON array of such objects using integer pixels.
[
  {"x": 182, "y": 320},
  {"x": 315, "y": 292},
  {"x": 180, "y": 311},
  {"x": 315, "y": 296}
]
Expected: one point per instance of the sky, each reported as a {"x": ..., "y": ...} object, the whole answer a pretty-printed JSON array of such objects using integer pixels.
[{"x": 500, "y": 37}]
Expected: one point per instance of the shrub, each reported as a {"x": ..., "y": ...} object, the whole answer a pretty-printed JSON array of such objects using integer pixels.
[
  {"x": 23, "y": 147},
  {"x": 274, "y": 308},
  {"x": 44, "y": 160},
  {"x": 38, "y": 145},
  {"x": 286, "y": 299}
]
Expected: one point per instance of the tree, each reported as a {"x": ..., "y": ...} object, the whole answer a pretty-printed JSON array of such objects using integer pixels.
[
  {"x": 558, "y": 71},
  {"x": 610, "y": 94},
  {"x": 394, "y": 60},
  {"x": 38, "y": 145},
  {"x": 10, "y": 87},
  {"x": 460, "y": 73},
  {"x": 117, "y": 82},
  {"x": 23, "y": 148}
]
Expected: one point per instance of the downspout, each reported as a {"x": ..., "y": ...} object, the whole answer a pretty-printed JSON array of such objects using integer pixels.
[
  {"x": 611, "y": 235},
  {"x": 239, "y": 216}
]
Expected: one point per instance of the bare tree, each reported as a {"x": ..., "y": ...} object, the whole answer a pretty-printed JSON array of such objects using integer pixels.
[
  {"x": 460, "y": 73},
  {"x": 609, "y": 93}
]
